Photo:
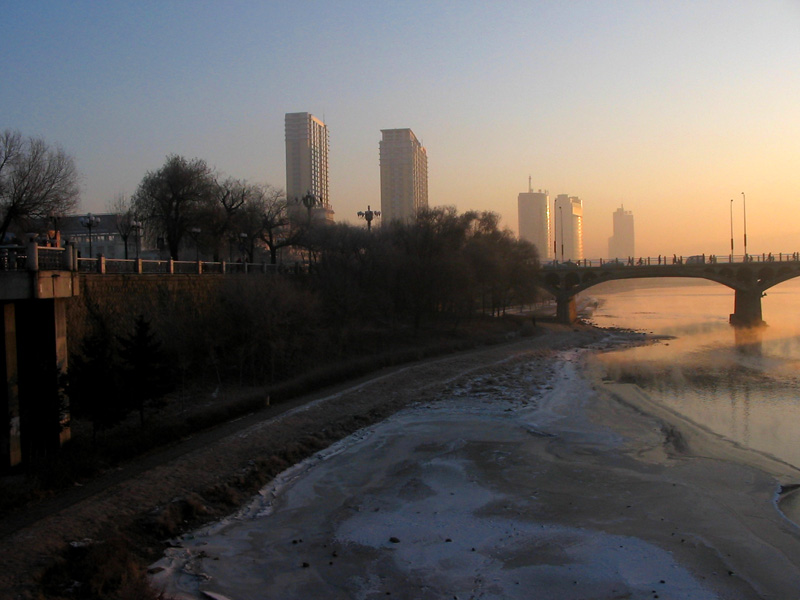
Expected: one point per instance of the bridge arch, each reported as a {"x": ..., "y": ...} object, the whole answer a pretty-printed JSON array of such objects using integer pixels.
[{"x": 749, "y": 281}]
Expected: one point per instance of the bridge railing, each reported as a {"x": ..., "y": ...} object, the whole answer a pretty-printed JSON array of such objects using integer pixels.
[
  {"x": 15, "y": 257},
  {"x": 674, "y": 259}
]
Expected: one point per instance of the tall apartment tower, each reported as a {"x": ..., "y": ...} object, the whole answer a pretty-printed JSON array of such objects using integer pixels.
[
  {"x": 568, "y": 230},
  {"x": 307, "y": 167},
  {"x": 404, "y": 175},
  {"x": 533, "y": 209},
  {"x": 621, "y": 244}
]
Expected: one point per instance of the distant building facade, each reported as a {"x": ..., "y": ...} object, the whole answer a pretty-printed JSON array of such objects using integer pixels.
[
  {"x": 404, "y": 175},
  {"x": 307, "y": 146},
  {"x": 533, "y": 209},
  {"x": 104, "y": 238},
  {"x": 621, "y": 244},
  {"x": 568, "y": 230}
]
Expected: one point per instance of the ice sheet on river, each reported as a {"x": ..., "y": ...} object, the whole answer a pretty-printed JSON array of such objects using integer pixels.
[{"x": 519, "y": 483}]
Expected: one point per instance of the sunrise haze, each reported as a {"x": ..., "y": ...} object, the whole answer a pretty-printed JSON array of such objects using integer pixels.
[{"x": 671, "y": 109}]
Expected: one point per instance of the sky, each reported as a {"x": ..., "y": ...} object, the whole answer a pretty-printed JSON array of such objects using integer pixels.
[{"x": 670, "y": 108}]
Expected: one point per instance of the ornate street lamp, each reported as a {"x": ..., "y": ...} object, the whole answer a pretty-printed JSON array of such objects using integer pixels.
[
  {"x": 309, "y": 201},
  {"x": 90, "y": 222},
  {"x": 368, "y": 215}
]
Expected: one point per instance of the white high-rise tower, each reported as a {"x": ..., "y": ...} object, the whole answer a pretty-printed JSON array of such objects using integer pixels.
[
  {"x": 621, "y": 244},
  {"x": 307, "y": 166},
  {"x": 568, "y": 230},
  {"x": 533, "y": 209},
  {"x": 404, "y": 175}
]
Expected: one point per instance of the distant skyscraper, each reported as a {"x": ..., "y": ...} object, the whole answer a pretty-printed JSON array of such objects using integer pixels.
[
  {"x": 621, "y": 244},
  {"x": 307, "y": 166},
  {"x": 534, "y": 221},
  {"x": 404, "y": 175},
  {"x": 568, "y": 221}
]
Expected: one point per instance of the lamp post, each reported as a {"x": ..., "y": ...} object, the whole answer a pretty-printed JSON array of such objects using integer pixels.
[
  {"x": 243, "y": 246},
  {"x": 309, "y": 201},
  {"x": 137, "y": 229},
  {"x": 561, "y": 220},
  {"x": 744, "y": 208},
  {"x": 90, "y": 221},
  {"x": 195, "y": 232},
  {"x": 555, "y": 241},
  {"x": 368, "y": 215},
  {"x": 731, "y": 229}
]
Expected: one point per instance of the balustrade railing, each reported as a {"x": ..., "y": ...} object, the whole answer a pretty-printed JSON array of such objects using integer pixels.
[
  {"x": 674, "y": 259},
  {"x": 33, "y": 258}
]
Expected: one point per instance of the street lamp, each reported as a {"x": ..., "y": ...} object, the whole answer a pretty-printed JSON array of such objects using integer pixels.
[
  {"x": 731, "y": 229},
  {"x": 243, "y": 246},
  {"x": 137, "y": 229},
  {"x": 744, "y": 207},
  {"x": 309, "y": 201},
  {"x": 368, "y": 215},
  {"x": 195, "y": 233},
  {"x": 90, "y": 221},
  {"x": 555, "y": 233}
]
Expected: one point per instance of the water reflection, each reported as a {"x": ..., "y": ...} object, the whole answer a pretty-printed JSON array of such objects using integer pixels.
[
  {"x": 749, "y": 340},
  {"x": 740, "y": 383}
]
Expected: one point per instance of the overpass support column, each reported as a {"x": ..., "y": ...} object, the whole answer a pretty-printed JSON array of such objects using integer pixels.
[
  {"x": 10, "y": 442},
  {"x": 747, "y": 309},
  {"x": 566, "y": 309},
  {"x": 41, "y": 360}
]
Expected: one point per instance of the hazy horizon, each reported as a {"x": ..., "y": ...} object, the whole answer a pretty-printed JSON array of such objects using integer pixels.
[{"x": 670, "y": 108}]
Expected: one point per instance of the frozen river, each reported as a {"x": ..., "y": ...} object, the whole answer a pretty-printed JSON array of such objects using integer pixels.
[{"x": 523, "y": 480}]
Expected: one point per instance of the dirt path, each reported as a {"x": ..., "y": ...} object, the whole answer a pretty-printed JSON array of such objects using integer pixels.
[{"x": 206, "y": 476}]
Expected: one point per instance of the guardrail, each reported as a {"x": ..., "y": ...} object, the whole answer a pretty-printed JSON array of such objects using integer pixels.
[{"x": 35, "y": 258}]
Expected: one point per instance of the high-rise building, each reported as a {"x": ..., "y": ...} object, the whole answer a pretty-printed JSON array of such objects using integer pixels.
[
  {"x": 404, "y": 175},
  {"x": 621, "y": 244},
  {"x": 533, "y": 209},
  {"x": 307, "y": 167},
  {"x": 568, "y": 230}
]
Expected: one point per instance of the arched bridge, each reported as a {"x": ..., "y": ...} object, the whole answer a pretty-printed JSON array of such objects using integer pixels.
[{"x": 749, "y": 279}]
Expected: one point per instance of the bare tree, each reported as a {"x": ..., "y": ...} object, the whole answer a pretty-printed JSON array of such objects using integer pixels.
[
  {"x": 220, "y": 213},
  {"x": 271, "y": 209},
  {"x": 124, "y": 218},
  {"x": 37, "y": 182},
  {"x": 171, "y": 199}
]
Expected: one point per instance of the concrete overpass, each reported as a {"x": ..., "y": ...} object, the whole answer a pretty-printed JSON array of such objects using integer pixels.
[
  {"x": 749, "y": 279},
  {"x": 34, "y": 286}
]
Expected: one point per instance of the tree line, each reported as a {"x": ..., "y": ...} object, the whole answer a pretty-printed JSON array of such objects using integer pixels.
[{"x": 361, "y": 289}]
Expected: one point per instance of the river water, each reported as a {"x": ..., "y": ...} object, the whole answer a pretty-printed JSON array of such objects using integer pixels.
[{"x": 742, "y": 385}]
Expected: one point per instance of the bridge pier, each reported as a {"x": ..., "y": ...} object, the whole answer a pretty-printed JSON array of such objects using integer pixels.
[
  {"x": 566, "y": 309},
  {"x": 32, "y": 358},
  {"x": 747, "y": 309}
]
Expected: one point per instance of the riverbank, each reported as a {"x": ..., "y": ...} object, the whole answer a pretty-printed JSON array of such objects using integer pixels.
[
  {"x": 529, "y": 476},
  {"x": 139, "y": 512}
]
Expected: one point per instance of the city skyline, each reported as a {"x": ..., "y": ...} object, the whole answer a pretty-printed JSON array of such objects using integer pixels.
[{"x": 678, "y": 107}]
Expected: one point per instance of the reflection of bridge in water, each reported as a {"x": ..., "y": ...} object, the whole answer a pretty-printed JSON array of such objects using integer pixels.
[{"x": 749, "y": 277}]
